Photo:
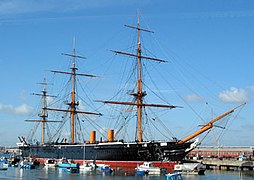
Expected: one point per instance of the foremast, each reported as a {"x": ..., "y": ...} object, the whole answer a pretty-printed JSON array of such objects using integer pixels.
[
  {"x": 140, "y": 94},
  {"x": 73, "y": 104}
]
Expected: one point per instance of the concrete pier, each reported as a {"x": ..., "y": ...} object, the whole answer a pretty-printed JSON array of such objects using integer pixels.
[{"x": 228, "y": 164}]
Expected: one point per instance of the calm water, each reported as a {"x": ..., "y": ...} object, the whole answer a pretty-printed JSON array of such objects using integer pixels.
[{"x": 43, "y": 174}]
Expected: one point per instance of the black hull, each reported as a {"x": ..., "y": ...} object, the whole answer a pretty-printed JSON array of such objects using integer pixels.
[{"x": 115, "y": 151}]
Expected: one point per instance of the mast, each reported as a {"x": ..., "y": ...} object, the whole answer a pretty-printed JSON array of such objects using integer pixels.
[
  {"x": 73, "y": 104},
  {"x": 44, "y": 114},
  {"x": 209, "y": 125},
  {"x": 139, "y": 95}
]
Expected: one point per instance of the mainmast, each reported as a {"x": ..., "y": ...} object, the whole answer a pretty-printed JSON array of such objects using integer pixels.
[
  {"x": 139, "y": 95},
  {"x": 44, "y": 114},
  {"x": 73, "y": 103}
]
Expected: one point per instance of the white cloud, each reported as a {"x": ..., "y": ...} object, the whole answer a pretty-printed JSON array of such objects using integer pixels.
[
  {"x": 234, "y": 95},
  {"x": 193, "y": 97},
  {"x": 22, "y": 109}
]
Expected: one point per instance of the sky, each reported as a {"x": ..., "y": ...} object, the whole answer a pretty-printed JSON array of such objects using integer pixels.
[{"x": 209, "y": 45}]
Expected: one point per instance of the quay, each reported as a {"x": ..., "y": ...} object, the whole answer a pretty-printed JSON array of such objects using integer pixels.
[
  {"x": 224, "y": 158},
  {"x": 228, "y": 164}
]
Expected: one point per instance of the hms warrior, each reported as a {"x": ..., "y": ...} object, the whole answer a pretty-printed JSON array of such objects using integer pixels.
[{"x": 113, "y": 151}]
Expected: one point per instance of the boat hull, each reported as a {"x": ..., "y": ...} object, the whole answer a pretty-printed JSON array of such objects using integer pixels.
[
  {"x": 117, "y": 151},
  {"x": 116, "y": 154}
]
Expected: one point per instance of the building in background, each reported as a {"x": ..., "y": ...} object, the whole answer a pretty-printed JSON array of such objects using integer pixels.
[{"x": 222, "y": 152}]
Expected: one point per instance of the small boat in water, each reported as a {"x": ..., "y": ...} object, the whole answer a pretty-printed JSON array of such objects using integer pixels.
[
  {"x": 149, "y": 168},
  {"x": 175, "y": 176},
  {"x": 190, "y": 168},
  {"x": 50, "y": 163},
  {"x": 105, "y": 168},
  {"x": 4, "y": 164},
  {"x": 64, "y": 163},
  {"x": 141, "y": 172},
  {"x": 86, "y": 167},
  {"x": 27, "y": 164}
]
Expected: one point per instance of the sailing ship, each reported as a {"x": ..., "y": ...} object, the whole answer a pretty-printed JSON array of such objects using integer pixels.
[{"x": 113, "y": 150}]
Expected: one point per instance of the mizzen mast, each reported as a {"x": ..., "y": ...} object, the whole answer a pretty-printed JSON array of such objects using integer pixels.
[
  {"x": 140, "y": 94},
  {"x": 44, "y": 114},
  {"x": 73, "y": 103}
]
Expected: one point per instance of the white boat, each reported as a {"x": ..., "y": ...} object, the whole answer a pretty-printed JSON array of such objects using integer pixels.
[
  {"x": 102, "y": 167},
  {"x": 3, "y": 166},
  {"x": 190, "y": 168},
  {"x": 86, "y": 167},
  {"x": 149, "y": 168},
  {"x": 50, "y": 163}
]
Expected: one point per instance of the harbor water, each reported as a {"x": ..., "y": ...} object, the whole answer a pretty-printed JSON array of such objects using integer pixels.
[{"x": 56, "y": 173}]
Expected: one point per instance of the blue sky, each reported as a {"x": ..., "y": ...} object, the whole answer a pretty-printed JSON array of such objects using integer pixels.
[{"x": 209, "y": 45}]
